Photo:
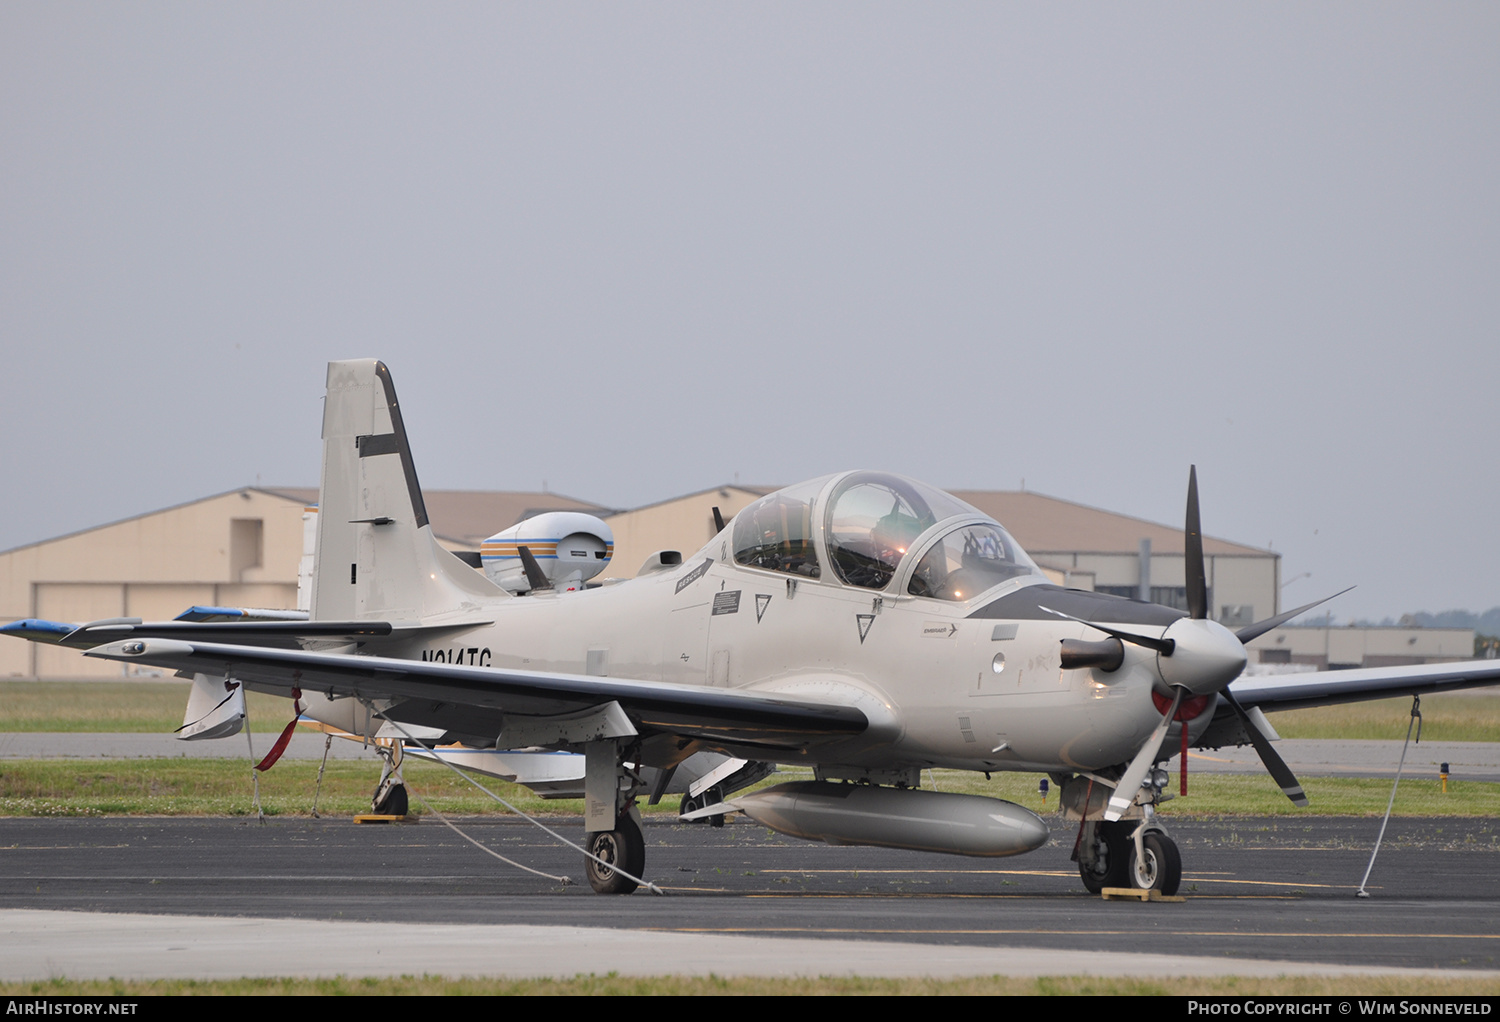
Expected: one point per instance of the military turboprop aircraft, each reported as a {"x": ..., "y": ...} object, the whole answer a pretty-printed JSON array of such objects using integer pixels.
[{"x": 862, "y": 624}]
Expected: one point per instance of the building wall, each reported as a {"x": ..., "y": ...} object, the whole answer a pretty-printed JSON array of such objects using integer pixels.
[
  {"x": 684, "y": 524},
  {"x": 234, "y": 549},
  {"x": 1363, "y": 647},
  {"x": 1247, "y": 582}
]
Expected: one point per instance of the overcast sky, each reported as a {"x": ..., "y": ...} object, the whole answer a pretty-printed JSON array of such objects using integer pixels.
[{"x": 635, "y": 250}]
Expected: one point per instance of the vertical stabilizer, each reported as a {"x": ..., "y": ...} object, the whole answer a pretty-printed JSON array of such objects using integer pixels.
[{"x": 376, "y": 555}]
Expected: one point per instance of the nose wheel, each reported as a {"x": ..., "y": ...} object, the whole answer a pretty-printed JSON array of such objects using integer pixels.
[
  {"x": 1155, "y": 865},
  {"x": 1113, "y": 854}
]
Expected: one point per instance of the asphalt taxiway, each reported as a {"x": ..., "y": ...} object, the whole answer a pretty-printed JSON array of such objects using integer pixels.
[{"x": 206, "y": 897}]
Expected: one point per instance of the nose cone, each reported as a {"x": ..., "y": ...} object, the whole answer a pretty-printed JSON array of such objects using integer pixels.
[{"x": 1206, "y": 657}]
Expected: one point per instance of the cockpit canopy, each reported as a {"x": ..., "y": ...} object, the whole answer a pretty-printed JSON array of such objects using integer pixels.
[{"x": 866, "y": 527}]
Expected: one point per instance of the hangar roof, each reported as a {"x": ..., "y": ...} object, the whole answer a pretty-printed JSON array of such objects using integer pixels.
[
  {"x": 1044, "y": 524},
  {"x": 472, "y": 516},
  {"x": 1041, "y": 524}
]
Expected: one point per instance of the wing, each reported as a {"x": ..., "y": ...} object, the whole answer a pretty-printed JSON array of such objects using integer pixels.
[
  {"x": 217, "y": 626},
  {"x": 454, "y": 695},
  {"x": 1327, "y": 688}
]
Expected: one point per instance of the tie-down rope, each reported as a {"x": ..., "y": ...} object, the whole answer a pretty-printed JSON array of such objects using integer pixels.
[
  {"x": 1416, "y": 719},
  {"x": 536, "y": 823}
]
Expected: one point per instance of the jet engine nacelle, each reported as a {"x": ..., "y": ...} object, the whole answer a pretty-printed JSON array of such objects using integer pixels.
[
  {"x": 570, "y": 548},
  {"x": 926, "y": 821}
]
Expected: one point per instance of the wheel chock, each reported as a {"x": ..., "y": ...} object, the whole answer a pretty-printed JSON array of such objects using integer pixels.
[{"x": 1136, "y": 894}]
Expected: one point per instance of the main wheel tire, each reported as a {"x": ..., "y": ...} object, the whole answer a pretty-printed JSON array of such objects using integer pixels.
[
  {"x": 623, "y": 847},
  {"x": 1111, "y": 858},
  {"x": 690, "y": 804},
  {"x": 392, "y": 802},
  {"x": 1159, "y": 868}
]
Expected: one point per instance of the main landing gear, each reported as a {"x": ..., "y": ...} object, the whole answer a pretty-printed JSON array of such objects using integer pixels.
[
  {"x": 390, "y": 794},
  {"x": 617, "y": 850},
  {"x": 713, "y": 796}
]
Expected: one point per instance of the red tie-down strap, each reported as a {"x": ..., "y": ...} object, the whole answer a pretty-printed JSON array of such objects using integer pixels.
[
  {"x": 1186, "y": 711},
  {"x": 286, "y": 734},
  {"x": 1184, "y": 757}
]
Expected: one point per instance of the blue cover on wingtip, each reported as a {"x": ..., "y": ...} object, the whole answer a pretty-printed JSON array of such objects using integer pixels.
[{"x": 38, "y": 630}]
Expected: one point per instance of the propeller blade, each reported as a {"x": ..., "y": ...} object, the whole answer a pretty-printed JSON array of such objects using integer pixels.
[
  {"x": 1192, "y": 565},
  {"x": 1260, "y": 628},
  {"x": 1162, "y": 646},
  {"x": 1280, "y": 772},
  {"x": 534, "y": 576},
  {"x": 1135, "y": 773}
]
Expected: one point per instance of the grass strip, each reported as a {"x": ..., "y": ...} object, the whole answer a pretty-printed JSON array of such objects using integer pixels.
[
  {"x": 222, "y": 787},
  {"x": 129, "y": 707},
  {"x": 1452, "y": 717},
  {"x": 614, "y": 985}
]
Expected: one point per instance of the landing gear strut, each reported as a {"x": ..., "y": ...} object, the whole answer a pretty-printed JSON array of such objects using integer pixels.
[{"x": 390, "y": 794}]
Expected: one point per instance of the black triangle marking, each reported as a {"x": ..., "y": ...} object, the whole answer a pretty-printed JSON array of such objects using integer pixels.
[
  {"x": 865, "y": 621},
  {"x": 762, "y": 601}
]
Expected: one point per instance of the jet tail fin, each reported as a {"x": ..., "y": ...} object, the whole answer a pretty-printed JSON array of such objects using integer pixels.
[{"x": 376, "y": 556}]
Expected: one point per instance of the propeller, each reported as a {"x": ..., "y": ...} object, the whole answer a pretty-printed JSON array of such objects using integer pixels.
[
  {"x": 1280, "y": 772},
  {"x": 1260, "y": 628},
  {"x": 1195, "y": 657},
  {"x": 535, "y": 577}
]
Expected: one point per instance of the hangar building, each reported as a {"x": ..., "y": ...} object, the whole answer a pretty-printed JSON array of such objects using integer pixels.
[{"x": 242, "y": 549}]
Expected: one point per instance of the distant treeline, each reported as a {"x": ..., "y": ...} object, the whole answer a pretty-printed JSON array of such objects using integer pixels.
[{"x": 1487, "y": 623}]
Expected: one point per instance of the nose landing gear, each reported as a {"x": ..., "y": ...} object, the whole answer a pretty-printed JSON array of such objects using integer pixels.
[{"x": 1134, "y": 853}]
